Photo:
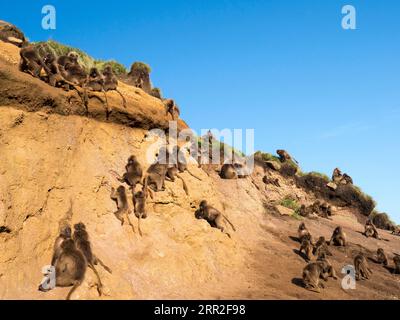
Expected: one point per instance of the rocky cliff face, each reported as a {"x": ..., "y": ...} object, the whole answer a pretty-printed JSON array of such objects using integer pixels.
[{"x": 50, "y": 153}]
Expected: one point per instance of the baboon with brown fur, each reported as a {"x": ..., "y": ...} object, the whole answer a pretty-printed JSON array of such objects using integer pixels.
[
  {"x": 307, "y": 247},
  {"x": 71, "y": 57},
  {"x": 370, "y": 230},
  {"x": 338, "y": 237},
  {"x": 65, "y": 234},
  {"x": 171, "y": 108},
  {"x": 31, "y": 61},
  {"x": 213, "y": 216},
  {"x": 337, "y": 175},
  {"x": 81, "y": 239},
  {"x": 120, "y": 197},
  {"x": 228, "y": 171},
  {"x": 303, "y": 233},
  {"x": 133, "y": 174},
  {"x": 70, "y": 267},
  {"x": 361, "y": 266},
  {"x": 139, "y": 205},
  {"x": 381, "y": 257},
  {"x": 111, "y": 83},
  {"x": 285, "y": 156},
  {"x": 396, "y": 260},
  {"x": 321, "y": 247}
]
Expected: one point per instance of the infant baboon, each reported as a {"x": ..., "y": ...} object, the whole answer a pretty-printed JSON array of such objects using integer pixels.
[
  {"x": 381, "y": 257},
  {"x": 303, "y": 233},
  {"x": 338, "y": 237},
  {"x": 120, "y": 197},
  {"x": 285, "y": 156},
  {"x": 111, "y": 83},
  {"x": 81, "y": 239},
  {"x": 133, "y": 174},
  {"x": 228, "y": 171},
  {"x": 70, "y": 267},
  {"x": 307, "y": 247},
  {"x": 214, "y": 217},
  {"x": 171, "y": 108},
  {"x": 361, "y": 266},
  {"x": 396, "y": 260},
  {"x": 321, "y": 247}
]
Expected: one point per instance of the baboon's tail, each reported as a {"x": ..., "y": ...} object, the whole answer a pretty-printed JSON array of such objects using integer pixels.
[
  {"x": 75, "y": 286},
  {"x": 108, "y": 110},
  {"x": 99, "y": 284},
  {"x": 123, "y": 98},
  {"x": 116, "y": 175},
  {"x": 193, "y": 175},
  {"x": 129, "y": 221},
  {"x": 184, "y": 184},
  {"x": 233, "y": 227},
  {"x": 140, "y": 230},
  {"x": 104, "y": 266}
]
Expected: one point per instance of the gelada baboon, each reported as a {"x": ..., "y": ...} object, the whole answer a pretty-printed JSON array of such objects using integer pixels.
[
  {"x": 31, "y": 60},
  {"x": 307, "y": 247},
  {"x": 370, "y": 230},
  {"x": 396, "y": 260},
  {"x": 171, "y": 108},
  {"x": 337, "y": 175},
  {"x": 140, "y": 76},
  {"x": 311, "y": 277},
  {"x": 228, "y": 171},
  {"x": 338, "y": 237},
  {"x": 361, "y": 266},
  {"x": 381, "y": 257},
  {"x": 181, "y": 162},
  {"x": 214, "y": 217},
  {"x": 133, "y": 174},
  {"x": 304, "y": 211},
  {"x": 139, "y": 205},
  {"x": 120, "y": 197},
  {"x": 70, "y": 267},
  {"x": 71, "y": 57},
  {"x": 81, "y": 239},
  {"x": 111, "y": 83},
  {"x": 285, "y": 156},
  {"x": 303, "y": 233},
  {"x": 326, "y": 265},
  {"x": 65, "y": 234},
  {"x": 95, "y": 82},
  {"x": 321, "y": 247},
  {"x": 157, "y": 172}
]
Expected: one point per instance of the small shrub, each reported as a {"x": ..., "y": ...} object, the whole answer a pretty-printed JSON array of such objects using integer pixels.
[
  {"x": 290, "y": 203},
  {"x": 140, "y": 67},
  {"x": 266, "y": 156},
  {"x": 382, "y": 221}
]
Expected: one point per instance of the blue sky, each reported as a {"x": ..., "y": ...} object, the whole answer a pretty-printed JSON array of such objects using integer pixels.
[{"x": 285, "y": 68}]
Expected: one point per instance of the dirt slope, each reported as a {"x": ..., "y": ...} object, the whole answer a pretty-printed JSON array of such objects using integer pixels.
[{"x": 51, "y": 153}]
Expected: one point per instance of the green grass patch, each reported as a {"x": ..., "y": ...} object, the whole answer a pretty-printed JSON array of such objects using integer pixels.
[{"x": 85, "y": 60}]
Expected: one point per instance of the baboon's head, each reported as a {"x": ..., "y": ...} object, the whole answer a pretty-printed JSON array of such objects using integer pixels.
[
  {"x": 79, "y": 226},
  {"x": 139, "y": 195},
  {"x": 108, "y": 70},
  {"x": 121, "y": 189},
  {"x": 94, "y": 72},
  {"x": 66, "y": 232},
  {"x": 302, "y": 226},
  {"x": 203, "y": 205},
  {"x": 68, "y": 244},
  {"x": 280, "y": 152},
  {"x": 49, "y": 58},
  {"x": 338, "y": 230},
  {"x": 74, "y": 56},
  {"x": 132, "y": 159}
]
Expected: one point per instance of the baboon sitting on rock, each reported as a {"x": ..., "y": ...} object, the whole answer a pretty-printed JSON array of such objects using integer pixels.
[
  {"x": 11, "y": 34},
  {"x": 285, "y": 156},
  {"x": 338, "y": 237},
  {"x": 361, "y": 266},
  {"x": 339, "y": 178},
  {"x": 314, "y": 271},
  {"x": 139, "y": 75}
]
